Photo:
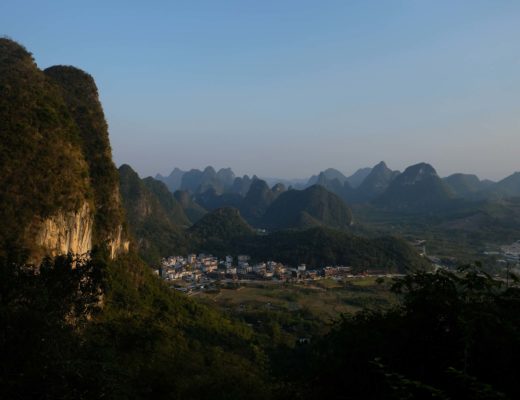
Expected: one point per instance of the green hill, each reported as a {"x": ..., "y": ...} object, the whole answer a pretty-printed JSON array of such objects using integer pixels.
[
  {"x": 314, "y": 206},
  {"x": 55, "y": 160},
  {"x": 168, "y": 202},
  {"x": 154, "y": 216},
  {"x": 320, "y": 247},
  {"x": 418, "y": 188},
  {"x": 220, "y": 232}
]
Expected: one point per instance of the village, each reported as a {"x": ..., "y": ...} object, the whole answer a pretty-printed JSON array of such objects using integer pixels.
[{"x": 195, "y": 272}]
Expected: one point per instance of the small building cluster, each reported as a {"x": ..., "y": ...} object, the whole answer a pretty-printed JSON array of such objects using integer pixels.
[{"x": 207, "y": 268}]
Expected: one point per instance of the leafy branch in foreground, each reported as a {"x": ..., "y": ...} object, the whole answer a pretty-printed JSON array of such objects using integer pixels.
[{"x": 455, "y": 334}]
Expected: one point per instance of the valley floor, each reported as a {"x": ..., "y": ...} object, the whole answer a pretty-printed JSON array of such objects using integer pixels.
[{"x": 298, "y": 311}]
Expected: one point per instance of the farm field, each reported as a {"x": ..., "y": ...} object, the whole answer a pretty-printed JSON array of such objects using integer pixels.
[{"x": 297, "y": 310}]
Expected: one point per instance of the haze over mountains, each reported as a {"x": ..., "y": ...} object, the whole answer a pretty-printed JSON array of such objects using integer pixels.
[
  {"x": 365, "y": 185},
  {"x": 362, "y": 279},
  {"x": 66, "y": 196},
  {"x": 370, "y": 202}
]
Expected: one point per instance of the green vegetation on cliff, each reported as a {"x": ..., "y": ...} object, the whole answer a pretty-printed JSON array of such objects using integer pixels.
[
  {"x": 42, "y": 166},
  {"x": 55, "y": 153},
  {"x": 81, "y": 96},
  {"x": 154, "y": 216}
]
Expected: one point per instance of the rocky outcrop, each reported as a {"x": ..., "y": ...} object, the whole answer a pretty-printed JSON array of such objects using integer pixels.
[
  {"x": 118, "y": 243},
  {"x": 67, "y": 232},
  {"x": 71, "y": 232},
  {"x": 59, "y": 188}
]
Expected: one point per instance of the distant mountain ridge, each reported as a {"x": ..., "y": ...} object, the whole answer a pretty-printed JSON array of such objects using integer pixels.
[
  {"x": 358, "y": 177},
  {"x": 418, "y": 188},
  {"x": 465, "y": 185},
  {"x": 507, "y": 187},
  {"x": 329, "y": 174},
  {"x": 212, "y": 189},
  {"x": 375, "y": 183},
  {"x": 172, "y": 181},
  {"x": 301, "y": 221}
]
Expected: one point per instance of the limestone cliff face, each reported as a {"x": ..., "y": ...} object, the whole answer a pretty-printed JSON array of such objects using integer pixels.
[
  {"x": 81, "y": 96},
  {"x": 118, "y": 242},
  {"x": 72, "y": 232},
  {"x": 67, "y": 232},
  {"x": 59, "y": 188}
]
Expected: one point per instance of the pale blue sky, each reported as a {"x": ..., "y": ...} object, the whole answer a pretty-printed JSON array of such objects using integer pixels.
[{"x": 288, "y": 88}]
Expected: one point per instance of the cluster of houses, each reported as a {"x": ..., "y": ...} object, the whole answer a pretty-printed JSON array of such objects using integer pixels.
[{"x": 205, "y": 267}]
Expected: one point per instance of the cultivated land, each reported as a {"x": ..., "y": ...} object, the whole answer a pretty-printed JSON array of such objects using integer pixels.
[{"x": 300, "y": 309}]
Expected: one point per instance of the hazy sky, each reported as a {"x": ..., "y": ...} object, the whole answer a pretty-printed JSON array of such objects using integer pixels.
[{"x": 288, "y": 88}]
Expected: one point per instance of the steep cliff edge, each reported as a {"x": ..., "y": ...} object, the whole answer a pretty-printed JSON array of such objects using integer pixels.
[
  {"x": 80, "y": 93},
  {"x": 58, "y": 186},
  {"x": 66, "y": 232}
]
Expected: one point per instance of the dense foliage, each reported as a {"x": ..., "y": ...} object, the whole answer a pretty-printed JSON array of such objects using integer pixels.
[
  {"x": 95, "y": 328},
  {"x": 321, "y": 247},
  {"x": 91, "y": 329},
  {"x": 168, "y": 202},
  {"x": 455, "y": 335},
  {"x": 225, "y": 232},
  {"x": 154, "y": 216},
  {"x": 42, "y": 168},
  {"x": 81, "y": 96},
  {"x": 222, "y": 224},
  {"x": 314, "y": 206},
  {"x": 98, "y": 329},
  {"x": 55, "y": 153}
]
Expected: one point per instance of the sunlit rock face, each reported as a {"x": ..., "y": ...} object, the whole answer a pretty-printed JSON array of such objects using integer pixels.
[
  {"x": 118, "y": 243},
  {"x": 72, "y": 232},
  {"x": 67, "y": 232},
  {"x": 59, "y": 187}
]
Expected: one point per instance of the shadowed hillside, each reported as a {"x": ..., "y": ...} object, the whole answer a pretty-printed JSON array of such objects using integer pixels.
[
  {"x": 154, "y": 216},
  {"x": 314, "y": 206}
]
